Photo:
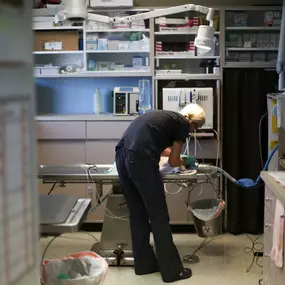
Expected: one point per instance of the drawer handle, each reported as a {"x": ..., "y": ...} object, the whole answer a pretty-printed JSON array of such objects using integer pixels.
[
  {"x": 267, "y": 199},
  {"x": 268, "y": 225},
  {"x": 266, "y": 255},
  {"x": 282, "y": 215}
]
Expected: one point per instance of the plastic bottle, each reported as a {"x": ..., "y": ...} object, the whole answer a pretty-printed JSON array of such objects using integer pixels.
[
  {"x": 144, "y": 97},
  {"x": 97, "y": 101}
]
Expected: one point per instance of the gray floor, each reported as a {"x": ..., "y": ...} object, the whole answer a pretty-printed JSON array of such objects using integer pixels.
[{"x": 222, "y": 260}]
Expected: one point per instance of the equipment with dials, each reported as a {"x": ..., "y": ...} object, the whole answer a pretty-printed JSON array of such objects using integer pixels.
[
  {"x": 175, "y": 99},
  {"x": 126, "y": 100}
]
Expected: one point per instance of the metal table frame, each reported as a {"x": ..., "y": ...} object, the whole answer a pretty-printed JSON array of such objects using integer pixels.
[{"x": 117, "y": 249}]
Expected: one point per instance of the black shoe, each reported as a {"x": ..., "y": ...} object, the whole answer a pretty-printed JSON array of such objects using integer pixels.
[{"x": 185, "y": 274}]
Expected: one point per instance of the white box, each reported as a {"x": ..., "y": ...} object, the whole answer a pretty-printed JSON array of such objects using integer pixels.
[
  {"x": 113, "y": 45},
  {"x": 111, "y": 3},
  {"x": 50, "y": 70},
  {"x": 102, "y": 44},
  {"x": 124, "y": 45}
]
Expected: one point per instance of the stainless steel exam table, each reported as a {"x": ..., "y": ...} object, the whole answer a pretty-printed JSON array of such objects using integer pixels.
[{"x": 115, "y": 243}]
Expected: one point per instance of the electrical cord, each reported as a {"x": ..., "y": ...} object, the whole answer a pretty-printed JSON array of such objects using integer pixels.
[
  {"x": 218, "y": 147},
  {"x": 193, "y": 258},
  {"x": 111, "y": 214},
  {"x": 259, "y": 138},
  {"x": 255, "y": 247}
]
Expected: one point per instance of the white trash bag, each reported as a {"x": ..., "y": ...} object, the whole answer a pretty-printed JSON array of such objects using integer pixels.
[{"x": 84, "y": 268}]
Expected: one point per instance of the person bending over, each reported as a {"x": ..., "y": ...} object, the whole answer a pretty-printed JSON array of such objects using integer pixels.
[{"x": 138, "y": 154}]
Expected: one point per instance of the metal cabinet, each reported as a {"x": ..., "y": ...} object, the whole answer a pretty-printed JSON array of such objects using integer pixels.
[
  {"x": 61, "y": 143},
  {"x": 272, "y": 275},
  {"x": 101, "y": 139}
]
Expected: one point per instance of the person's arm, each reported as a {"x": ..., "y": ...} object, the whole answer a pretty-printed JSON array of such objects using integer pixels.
[
  {"x": 174, "y": 157},
  {"x": 166, "y": 152}
]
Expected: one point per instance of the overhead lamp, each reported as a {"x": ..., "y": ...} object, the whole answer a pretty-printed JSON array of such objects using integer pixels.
[{"x": 76, "y": 11}]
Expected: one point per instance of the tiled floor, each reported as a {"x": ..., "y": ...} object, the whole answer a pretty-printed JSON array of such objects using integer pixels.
[{"x": 222, "y": 261}]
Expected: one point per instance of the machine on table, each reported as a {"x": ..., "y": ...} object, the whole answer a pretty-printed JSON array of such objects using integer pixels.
[{"x": 115, "y": 244}]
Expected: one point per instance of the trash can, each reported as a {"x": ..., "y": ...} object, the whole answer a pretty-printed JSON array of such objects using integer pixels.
[{"x": 209, "y": 228}]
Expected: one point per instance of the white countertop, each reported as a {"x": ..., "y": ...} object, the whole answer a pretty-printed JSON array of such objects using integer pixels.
[
  {"x": 275, "y": 187},
  {"x": 91, "y": 117}
]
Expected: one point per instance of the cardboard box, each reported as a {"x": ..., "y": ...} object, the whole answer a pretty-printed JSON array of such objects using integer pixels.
[{"x": 66, "y": 40}]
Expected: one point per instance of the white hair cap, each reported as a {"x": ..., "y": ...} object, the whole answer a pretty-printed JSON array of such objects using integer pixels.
[{"x": 195, "y": 113}]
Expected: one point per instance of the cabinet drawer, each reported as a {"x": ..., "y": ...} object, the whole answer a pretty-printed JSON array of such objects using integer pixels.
[
  {"x": 106, "y": 130},
  {"x": 268, "y": 225},
  {"x": 55, "y": 152},
  {"x": 101, "y": 152},
  {"x": 269, "y": 267},
  {"x": 270, "y": 200},
  {"x": 60, "y": 130}
]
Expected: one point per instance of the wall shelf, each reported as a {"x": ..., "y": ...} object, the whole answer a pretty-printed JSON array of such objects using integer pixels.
[
  {"x": 250, "y": 65},
  {"x": 118, "y": 51},
  {"x": 252, "y": 28},
  {"x": 62, "y": 28},
  {"x": 57, "y": 52},
  {"x": 251, "y": 49},
  {"x": 119, "y": 31},
  {"x": 99, "y": 74},
  {"x": 167, "y": 33},
  {"x": 188, "y": 77},
  {"x": 184, "y": 56}
]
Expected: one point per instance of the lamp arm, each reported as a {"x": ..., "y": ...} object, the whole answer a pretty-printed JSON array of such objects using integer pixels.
[
  {"x": 157, "y": 13},
  {"x": 170, "y": 11}
]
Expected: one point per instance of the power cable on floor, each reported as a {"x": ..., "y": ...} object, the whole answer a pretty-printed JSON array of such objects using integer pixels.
[
  {"x": 193, "y": 258},
  {"x": 255, "y": 248}
]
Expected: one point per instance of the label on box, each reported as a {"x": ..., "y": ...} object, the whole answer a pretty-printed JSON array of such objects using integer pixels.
[{"x": 53, "y": 45}]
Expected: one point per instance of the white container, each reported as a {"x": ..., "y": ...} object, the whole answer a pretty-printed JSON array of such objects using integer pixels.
[
  {"x": 92, "y": 37},
  {"x": 97, "y": 101},
  {"x": 50, "y": 70},
  {"x": 91, "y": 46},
  {"x": 136, "y": 45},
  {"x": 124, "y": 45},
  {"x": 119, "y": 67},
  {"x": 113, "y": 45},
  {"x": 137, "y": 61}
]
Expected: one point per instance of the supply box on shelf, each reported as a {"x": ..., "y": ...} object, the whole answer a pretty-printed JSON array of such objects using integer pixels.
[{"x": 56, "y": 40}]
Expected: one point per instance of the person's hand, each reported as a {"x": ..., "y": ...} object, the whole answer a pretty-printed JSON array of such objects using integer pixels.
[{"x": 182, "y": 162}]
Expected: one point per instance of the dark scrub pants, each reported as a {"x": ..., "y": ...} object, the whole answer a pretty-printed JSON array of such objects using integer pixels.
[{"x": 143, "y": 189}]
